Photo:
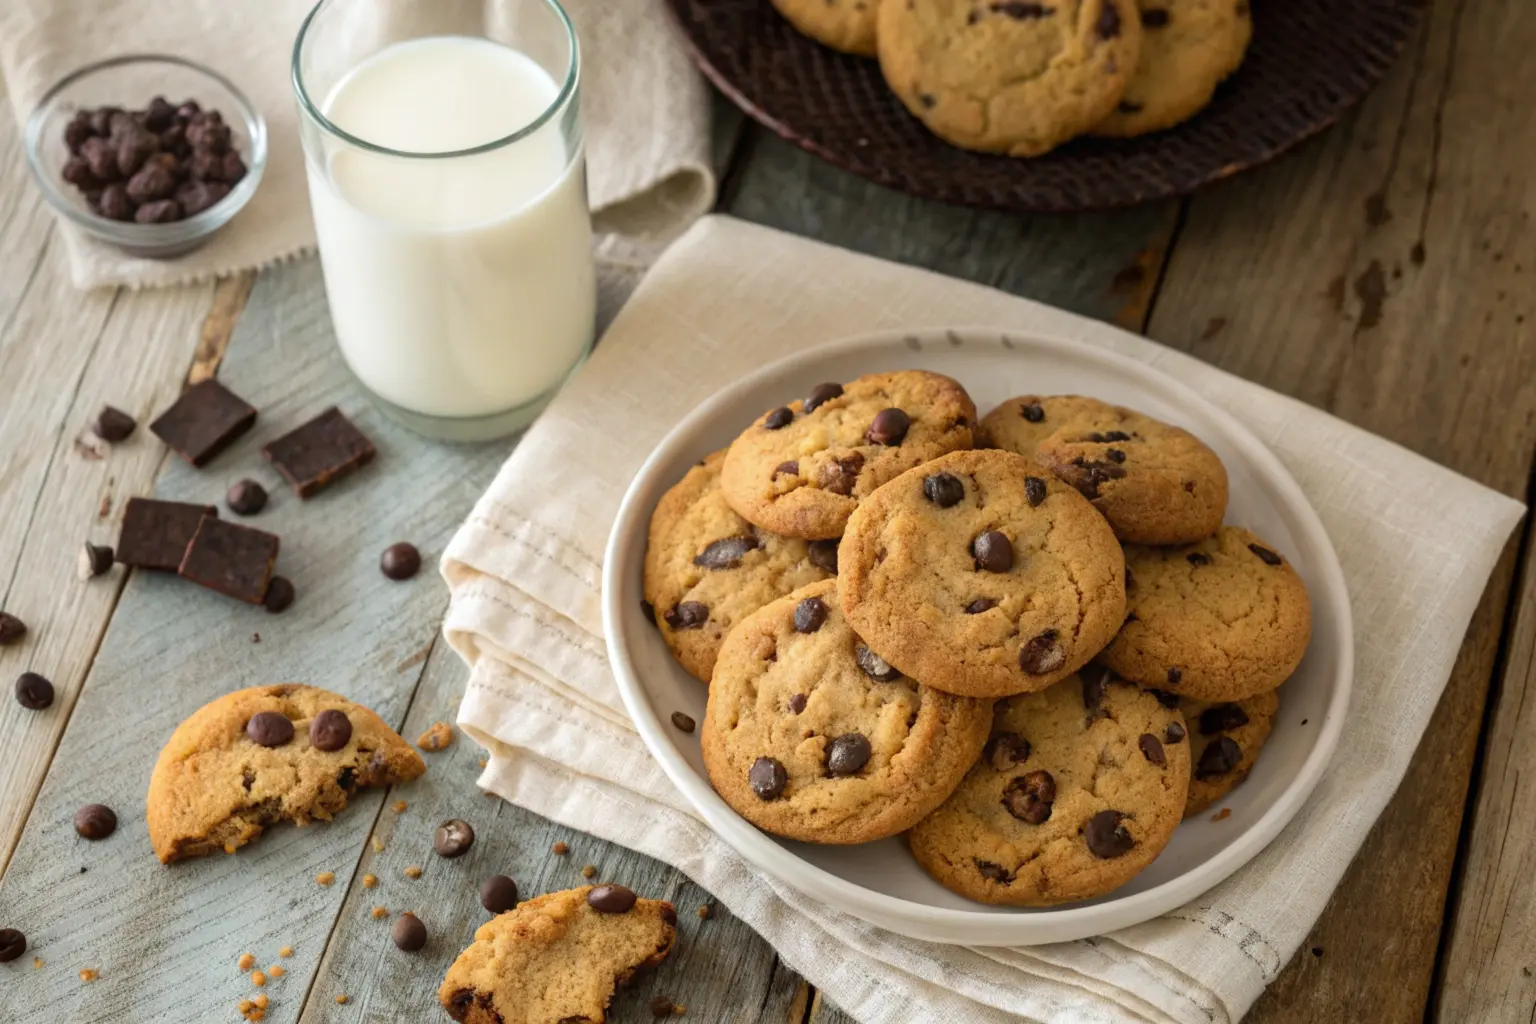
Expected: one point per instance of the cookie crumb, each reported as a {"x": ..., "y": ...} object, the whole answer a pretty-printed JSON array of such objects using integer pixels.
[
  {"x": 378, "y": 845},
  {"x": 1303, "y": 721},
  {"x": 1317, "y": 950},
  {"x": 262, "y": 1001},
  {"x": 276, "y": 971},
  {"x": 87, "y": 975},
  {"x": 258, "y": 979},
  {"x": 588, "y": 871},
  {"x": 704, "y": 911},
  {"x": 439, "y": 737},
  {"x": 255, "y": 638},
  {"x": 341, "y": 1000},
  {"x": 37, "y": 963},
  {"x": 661, "y": 1006},
  {"x": 484, "y": 762},
  {"x": 247, "y": 961},
  {"x": 369, "y": 881},
  {"x": 1222, "y": 815},
  {"x": 487, "y": 793},
  {"x": 326, "y": 877},
  {"x": 379, "y": 913},
  {"x": 246, "y": 1006},
  {"x": 560, "y": 849},
  {"x": 286, "y": 950},
  {"x": 413, "y": 872},
  {"x": 399, "y": 806}
]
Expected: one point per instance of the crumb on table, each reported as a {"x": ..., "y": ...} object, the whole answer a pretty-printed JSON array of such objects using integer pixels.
[
  {"x": 87, "y": 975},
  {"x": 1225, "y": 812},
  {"x": 379, "y": 913},
  {"x": 247, "y": 961},
  {"x": 399, "y": 806},
  {"x": 326, "y": 877},
  {"x": 37, "y": 963},
  {"x": 276, "y": 971},
  {"x": 704, "y": 911},
  {"x": 285, "y": 951},
  {"x": 438, "y": 737},
  {"x": 484, "y": 762},
  {"x": 378, "y": 845},
  {"x": 588, "y": 871},
  {"x": 560, "y": 849},
  {"x": 341, "y": 1000},
  {"x": 258, "y": 978},
  {"x": 413, "y": 872},
  {"x": 369, "y": 881},
  {"x": 263, "y": 1001}
]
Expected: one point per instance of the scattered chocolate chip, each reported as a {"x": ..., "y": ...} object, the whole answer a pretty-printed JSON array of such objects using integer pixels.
[
  {"x": 1042, "y": 655},
  {"x": 33, "y": 692},
  {"x": 767, "y": 778},
  {"x": 688, "y": 615},
  {"x": 682, "y": 722},
  {"x": 269, "y": 729},
  {"x": 1029, "y": 797},
  {"x": 453, "y": 838},
  {"x": 232, "y": 559},
  {"x": 823, "y": 555},
  {"x": 943, "y": 489},
  {"x": 821, "y": 394},
  {"x": 611, "y": 899},
  {"x": 790, "y": 467},
  {"x": 1106, "y": 836},
  {"x": 400, "y": 561},
  {"x": 1005, "y": 750},
  {"x": 993, "y": 552},
  {"x": 1174, "y": 733},
  {"x": 981, "y": 604},
  {"x": 797, "y": 703},
  {"x": 1222, "y": 718},
  {"x": 12, "y": 629},
  {"x": 205, "y": 420},
  {"x": 1174, "y": 675},
  {"x": 725, "y": 553},
  {"x": 1093, "y": 689},
  {"x": 280, "y": 595},
  {"x": 95, "y": 821},
  {"x": 113, "y": 425},
  {"x": 1220, "y": 757},
  {"x": 1155, "y": 17},
  {"x": 810, "y": 615},
  {"x": 1032, "y": 412},
  {"x": 498, "y": 894},
  {"x": 94, "y": 560},
  {"x": 12, "y": 945},
  {"x": 316, "y": 454},
  {"x": 994, "y": 872},
  {"x": 1115, "y": 455},
  {"x": 839, "y": 475},
  {"x": 409, "y": 933},
  {"x": 1198, "y": 558},
  {"x": 1151, "y": 749},
  {"x": 330, "y": 730},
  {"x": 156, "y": 534},
  {"x": 778, "y": 419},
  {"x": 847, "y": 754},
  {"x": 1034, "y": 490},
  {"x": 874, "y": 666},
  {"x": 888, "y": 427},
  {"x": 246, "y": 498},
  {"x": 1267, "y": 556}
]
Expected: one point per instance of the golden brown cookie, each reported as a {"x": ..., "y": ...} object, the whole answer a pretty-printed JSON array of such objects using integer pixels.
[
  {"x": 1225, "y": 742},
  {"x": 801, "y": 469},
  {"x": 1154, "y": 482},
  {"x": 846, "y": 25},
  {"x": 1079, "y": 788},
  {"x": 1220, "y": 620},
  {"x": 706, "y": 568},
  {"x": 810, "y": 735},
  {"x": 1187, "y": 48},
  {"x": 263, "y": 755},
  {"x": 981, "y": 574},
  {"x": 558, "y": 958}
]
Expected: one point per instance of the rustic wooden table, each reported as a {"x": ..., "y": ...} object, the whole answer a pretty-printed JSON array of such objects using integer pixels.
[{"x": 1380, "y": 273}]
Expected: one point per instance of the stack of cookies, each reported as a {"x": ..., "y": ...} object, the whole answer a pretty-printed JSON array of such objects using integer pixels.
[
  {"x": 1027, "y": 642},
  {"x": 1014, "y": 77}
]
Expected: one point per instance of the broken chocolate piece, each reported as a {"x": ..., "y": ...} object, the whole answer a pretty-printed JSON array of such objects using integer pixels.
[
  {"x": 205, "y": 420},
  {"x": 325, "y": 449},
  {"x": 155, "y": 534},
  {"x": 235, "y": 560}
]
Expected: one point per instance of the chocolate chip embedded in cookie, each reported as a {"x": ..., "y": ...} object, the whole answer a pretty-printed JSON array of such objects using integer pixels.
[
  {"x": 808, "y": 739},
  {"x": 846, "y": 25},
  {"x": 706, "y": 568},
  {"x": 1010, "y": 586},
  {"x": 251, "y": 759},
  {"x": 558, "y": 957},
  {"x": 1221, "y": 620},
  {"x": 801, "y": 469},
  {"x": 1225, "y": 740},
  {"x": 1079, "y": 790}
]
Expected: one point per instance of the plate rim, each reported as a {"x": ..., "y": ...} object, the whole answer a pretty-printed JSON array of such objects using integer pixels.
[{"x": 983, "y": 927}]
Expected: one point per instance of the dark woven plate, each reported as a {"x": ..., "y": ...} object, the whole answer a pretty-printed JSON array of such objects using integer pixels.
[{"x": 1309, "y": 62}]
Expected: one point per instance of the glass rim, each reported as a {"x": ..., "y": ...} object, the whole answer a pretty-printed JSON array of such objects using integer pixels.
[{"x": 562, "y": 98}]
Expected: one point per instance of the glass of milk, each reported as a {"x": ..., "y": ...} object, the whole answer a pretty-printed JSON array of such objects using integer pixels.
[{"x": 444, "y": 151}]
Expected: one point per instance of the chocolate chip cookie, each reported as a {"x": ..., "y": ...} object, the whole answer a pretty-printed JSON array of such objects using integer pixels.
[
  {"x": 1008, "y": 77},
  {"x": 1079, "y": 788},
  {"x": 1187, "y": 48},
  {"x": 263, "y": 755},
  {"x": 801, "y": 469},
  {"x": 981, "y": 574},
  {"x": 706, "y": 568},
  {"x": 812, "y": 736},
  {"x": 558, "y": 957},
  {"x": 1220, "y": 620},
  {"x": 846, "y": 25},
  {"x": 1225, "y": 740},
  {"x": 1155, "y": 483}
]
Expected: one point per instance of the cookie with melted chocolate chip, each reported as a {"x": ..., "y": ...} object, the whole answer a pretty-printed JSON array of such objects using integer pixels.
[{"x": 1225, "y": 740}]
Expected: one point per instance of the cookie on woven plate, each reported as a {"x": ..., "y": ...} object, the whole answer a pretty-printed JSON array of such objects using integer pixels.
[
  {"x": 846, "y": 25},
  {"x": 1154, "y": 482},
  {"x": 1225, "y": 740},
  {"x": 1079, "y": 788},
  {"x": 706, "y": 568},
  {"x": 981, "y": 574},
  {"x": 811, "y": 736}
]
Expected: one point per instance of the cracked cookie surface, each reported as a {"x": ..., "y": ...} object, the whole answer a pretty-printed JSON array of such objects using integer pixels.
[
  {"x": 801, "y": 469},
  {"x": 706, "y": 568},
  {"x": 1187, "y": 48},
  {"x": 1008, "y": 77},
  {"x": 1154, "y": 482},
  {"x": 1220, "y": 620},
  {"x": 810, "y": 736},
  {"x": 1079, "y": 788},
  {"x": 981, "y": 574},
  {"x": 846, "y": 25},
  {"x": 1225, "y": 740}
]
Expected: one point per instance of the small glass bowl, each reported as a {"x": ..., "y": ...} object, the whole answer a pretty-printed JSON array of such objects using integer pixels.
[{"x": 130, "y": 82}]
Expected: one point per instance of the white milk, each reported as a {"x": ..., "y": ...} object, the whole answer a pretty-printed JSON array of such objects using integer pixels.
[{"x": 459, "y": 287}]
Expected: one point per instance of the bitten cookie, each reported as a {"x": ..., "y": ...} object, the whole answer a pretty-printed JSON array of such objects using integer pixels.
[
  {"x": 1155, "y": 483},
  {"x": 1187, "y": 48},
  {"x": 1079, "y": 789},
  {"x": 706, "y": 568},
  {"x": 810, "y": 735},
  {"x": 264, "y": 755},
  {"x": 558, "y": 958},
  {"x": 1220, "y": 620},
  {"x": 1015, "y": 78},
  {"x": 982, "y": 575},
  {"x": 802, "y": 468},
  {"x": 1225, "y": 740},
  {"x": 846, "y": 25}
]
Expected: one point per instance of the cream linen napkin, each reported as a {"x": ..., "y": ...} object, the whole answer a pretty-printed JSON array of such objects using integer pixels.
[
  {"x": 646, "y": 114},
  {"x": 1417, "y": 543}
]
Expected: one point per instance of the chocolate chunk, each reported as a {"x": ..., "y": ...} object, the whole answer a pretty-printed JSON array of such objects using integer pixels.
[
  {"x": 1267, "y": 556},
  {"x": 682, "y": 722},
  {"x": 874, "y": 666},
  {"x": 778, "y": 419},
  {"x": 1174, "y": 675},
  {"x": 152, "y": 182},
  {"x": 1112, "y": 435},
  {"x": 1151, "y": 749},
  {"x": 888, "y": 427},
  {"x": 688, "y": 615},
  {"x": 409, "y": 933},
  {"x": 12, "y": 945},
  {"x": 981, "y": 604},
  {"x": 1032, "y": 412},
  {"x": 611, "y": 899},
  {"x": 1042, "y": 654},
  {"x": 1005, "y": 750},
  {"x": 1021, "y": 11},
  {"x": 269, "y": 729},
  {"x": 789, "y": 467},
  {"x": 1166, "y": 699},
  {"x": 1034, "y": 490},
  {"x": 33, "y": 692},
  {"x": 113, "y": 425},
  {"x": 847, "y": 754},
  {"x": 1174, "y": 733},
  {"x": 823, "y": 555},
  {"x": 161, "y": 211},
  {"x": 114, "y": 203},
  {"x": 797, "y": 703},
  {"x": 12, "y": 629},
  {"x": 197, "y": 196},
  {"x": 839, "y": 475},
  {"x": 810, "y": 615},
  {"x": 767, "y": 778},
  {"x": 453, "y": 838},
  {"x": 1198, "y": 558},
  {"x": 1115, "y": 455},
  {"x": 400, "y": 561},
  {"x": 994, "y": 872},
  {"x": 157, "y": 116},
  {"x": 821, "y": 394},
  {"x": 1220, "y": 757},
  {"x": 232, "y": 559},
  {"x": 1029, "y": 797},
  {"x": 1156, "y": 17},
  {"x": 498, "y": 894},
  {"x": 725, "y": 553},
  {"x": 1093, "y": 689},
  {"x": 943, "y": 489},
  {"x": 94, "y": 560},
  {"x": 204, "y": 421},
  {"x": 320, "y": 452},
  {"x": 1087, "y": 476},
  {"x": 246, "y": 498},
  {"x": 330, "y": 730},
  {"x": 77, "y": 131},
  {"x": 1222, "y": 718},
  {"x": 156, "y": 534},
  {"x": 280, "y": 595},
  {"x": 993, "y": 552},
  {"x": 1106, "y": 836},
  {"x": 95, "y": 821}
]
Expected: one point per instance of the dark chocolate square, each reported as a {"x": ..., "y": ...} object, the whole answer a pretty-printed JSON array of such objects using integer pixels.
[
  {"x": 326, "y": 448},
  {"x": 205, "y": 420},
  {"x": 234, "y": 560},
  {"x": 155, "y": 534}
]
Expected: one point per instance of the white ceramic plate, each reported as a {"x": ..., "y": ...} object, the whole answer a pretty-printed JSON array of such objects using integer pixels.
[{"x": 880, "y": 882}]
